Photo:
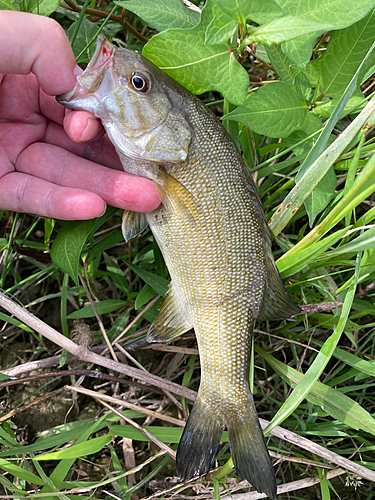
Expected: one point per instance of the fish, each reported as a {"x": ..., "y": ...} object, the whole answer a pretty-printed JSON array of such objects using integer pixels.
[{"x": 214, "y": 237}]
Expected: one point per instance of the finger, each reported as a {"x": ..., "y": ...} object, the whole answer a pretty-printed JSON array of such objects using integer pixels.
[
  {"x": 63, "y": 168},
  {"x": 82, "y": 126},
  {"x": 25, "y": 193},
  {"x": 43, "y": 49}
]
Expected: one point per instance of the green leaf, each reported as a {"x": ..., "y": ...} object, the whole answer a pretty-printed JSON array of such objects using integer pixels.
[
  {"x": 221, "y": 29},
  {"x": 67, "y": 247},
  {"x": 17, "y": 471},
  {"x": 6, "y": 5},
  {"x": 284, "y": 28},
  {"x": 321, "y": 196},
  {"x": 165, "y": 434},
  {"x": 326, "y": 108},
  {"x": 345, "y": 52},
  {"x": 14, "y": 321},
  {"x": 240, "y": 10},
  {"x": 275, "y": 110},
  {"x": 157, "y": 283},
  {"x": 144, "y": 296},
  {"x": 86, "y": 33},
  {"x": 299, "y": 49},
  {"x": 163, "y": 14},
  {"x": 78, "y": 450},
  {"x": 364, "y": 242},
  {"x": 45, "y": 7},
  {"x": 183, "y": 55},
  {"x": 281, "y": 64},
  {"x": 103, "y": 307},
  {"x": 341, "y": 13},
  {"x": 315, "y": 171}
]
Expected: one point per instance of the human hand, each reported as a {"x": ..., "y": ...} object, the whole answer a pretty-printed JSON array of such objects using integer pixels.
[{"x": 47, "y": 167}]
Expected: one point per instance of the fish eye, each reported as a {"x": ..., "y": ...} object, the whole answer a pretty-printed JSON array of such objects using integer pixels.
[{"x": 140, "y": 82}]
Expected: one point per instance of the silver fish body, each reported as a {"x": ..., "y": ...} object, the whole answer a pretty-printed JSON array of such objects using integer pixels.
[{"x": 213, "y": 235}]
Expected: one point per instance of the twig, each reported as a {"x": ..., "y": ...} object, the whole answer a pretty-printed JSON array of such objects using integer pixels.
[
  {"x": 150, "y": 436},
  {"x": 286, "y": 487},
  {"x": 126, "y": 404},
  {"x": 69, "y": 5},
  {"x": 85, "y": 355}
]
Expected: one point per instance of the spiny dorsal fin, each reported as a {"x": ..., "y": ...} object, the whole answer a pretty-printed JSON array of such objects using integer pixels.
[
  {"x": 133, "y": 224},
  {"x": 170, "y": 322},
  {"x": 276, "y": 301}
]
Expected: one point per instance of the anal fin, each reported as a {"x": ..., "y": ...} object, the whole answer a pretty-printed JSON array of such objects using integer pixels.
[
  {"x": 170, "y": 322},
  {"x": 133, "y": 224}
]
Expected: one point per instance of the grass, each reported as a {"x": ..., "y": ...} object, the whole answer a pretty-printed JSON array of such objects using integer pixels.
[{"x": 95, "y": 426}]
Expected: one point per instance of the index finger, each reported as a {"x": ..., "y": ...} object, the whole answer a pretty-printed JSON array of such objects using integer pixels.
[{"x": 42, "y": 49}]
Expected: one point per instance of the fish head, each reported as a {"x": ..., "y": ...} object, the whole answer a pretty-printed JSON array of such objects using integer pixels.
[{"x": 133, "y": 99}]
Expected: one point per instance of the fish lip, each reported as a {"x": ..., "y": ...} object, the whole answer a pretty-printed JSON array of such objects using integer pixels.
[{"x": 98, "y": 61}]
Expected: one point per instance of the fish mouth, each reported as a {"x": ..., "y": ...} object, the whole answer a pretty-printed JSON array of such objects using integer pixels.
[{"x": 91, "y": 78}]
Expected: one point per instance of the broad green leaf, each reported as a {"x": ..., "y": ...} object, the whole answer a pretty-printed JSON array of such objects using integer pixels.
[
  {"x": 183, "y": 55},
  {"x": 221, "y": 29},
  {"x": 67, "y": 247},
  {"x": 321, "y": 196},
  {"x": 281, "y": 64},
  {"x": 163, "y": 14},
  {"x": 103, "y": 307},
  {"x": 284, "y": 28},
  {"x": 275, "y": 110},
  {"x": 299, "y": 49},
  {"x": 144, "y": 296},
  {"x": 45, "y": 7},
  {"x": 78, "y": 450},
  {"x": 6, "y": 5},
  {"x": 228, "y": 14},
  {"x": 20, "y": 473},
  {"x": 84, "y": 36},
  {"x": 157, "y": 283},
  {"x": 345, "y": 52},
  {"x": 341, "y": 13},
  {"x": 260, "y": 12}
]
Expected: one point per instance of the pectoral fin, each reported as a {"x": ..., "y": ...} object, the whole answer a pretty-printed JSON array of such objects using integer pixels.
[
  {"x": 176, "y": 197},
  {"x": 133, "y": 224},
  {"x": 170, "y": 322}
]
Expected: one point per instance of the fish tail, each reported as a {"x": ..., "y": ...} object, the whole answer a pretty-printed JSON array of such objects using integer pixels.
[
  {"x": 199, "y": 441},
  {"x": 248, "y": 449}
]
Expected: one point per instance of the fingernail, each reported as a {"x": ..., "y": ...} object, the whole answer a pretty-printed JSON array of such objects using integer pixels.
[
  {"x": 104, "y": 211},
  {"x": 87, "y": 134},
  {"x": 77, "y": 70}
]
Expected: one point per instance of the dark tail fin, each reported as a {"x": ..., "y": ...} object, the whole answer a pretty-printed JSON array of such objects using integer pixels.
[
  {"x": 249, "y": 451},
  {"x": 199, "y": 442},
  {"x": 201, "y": 437}
]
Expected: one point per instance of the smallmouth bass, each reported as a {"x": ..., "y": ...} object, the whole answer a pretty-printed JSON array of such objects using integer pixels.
[{"x": 213, "y": 235}]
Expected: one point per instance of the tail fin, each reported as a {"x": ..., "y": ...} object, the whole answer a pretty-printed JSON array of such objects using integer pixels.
[
  {"x": 249, "y": 451},
  {"x": 199, "y": 442}
]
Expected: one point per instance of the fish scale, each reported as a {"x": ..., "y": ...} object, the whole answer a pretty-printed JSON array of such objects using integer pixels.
[{"x": 214, "y": 238}]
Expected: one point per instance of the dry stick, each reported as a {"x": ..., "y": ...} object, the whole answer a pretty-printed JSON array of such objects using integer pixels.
[
  {"x": 126, "y": 404},
  {"x": 100, "y": 323},
  {"x": 85, "y": 355},
  {"x": 150, "y": 436},
  {"x": 286, "y": 487}
]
